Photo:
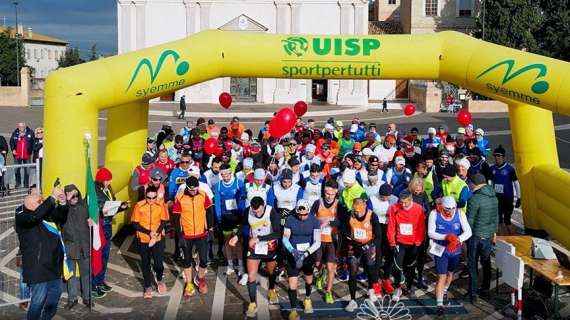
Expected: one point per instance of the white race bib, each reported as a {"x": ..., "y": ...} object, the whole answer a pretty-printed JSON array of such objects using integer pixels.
[
  {"x": 326, "y": 231},
  {"x": 406, "y": 229},
  {"x": 261, "y": 248},
  {"x": 436, "y": 249},
  {"x": 359, "y": 234},
  {"x": 303, "y": 246},
  {"x": 231, "y": 204},
  {"x": 499, "y": 188}
]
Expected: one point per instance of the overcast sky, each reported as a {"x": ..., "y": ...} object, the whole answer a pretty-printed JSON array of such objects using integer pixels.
[{"x": 82, "y": 23}]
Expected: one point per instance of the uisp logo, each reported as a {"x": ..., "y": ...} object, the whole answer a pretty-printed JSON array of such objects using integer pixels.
[
  {"x": 145, "y": 64},
  {"x": 322, "y": 46}
]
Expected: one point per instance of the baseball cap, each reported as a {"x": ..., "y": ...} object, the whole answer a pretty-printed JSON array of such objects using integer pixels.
[
  {"x": 248, "y": 162},
  {"x": 157, "y": 174},
  {"x": 287, "y": 174},
  {"x": 192, "y": 182},
  {"x": 310, "y": 148},
  {"x": 480, "y": 131},
  {"x": 431, "y": 130},
  {"x": 461, "y": 130},
  {"x": 338, "y": 123},
  {"x": 147, "y": 159},
  {"x": 499, "y": 150}
]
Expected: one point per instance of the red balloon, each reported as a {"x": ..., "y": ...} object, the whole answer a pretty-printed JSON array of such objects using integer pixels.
[
  {"x": 282, "y": 123},
  {"x": 300, "y": 108},
  {"x": 211, "y": 146},
  {"x": 464, "y": 117},
  {"x": 409, "y": 109},
  {"x": 225, "y": 100}
]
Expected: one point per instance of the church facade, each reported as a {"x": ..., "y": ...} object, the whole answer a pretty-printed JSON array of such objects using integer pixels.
[{"x": 145, "y": 23}]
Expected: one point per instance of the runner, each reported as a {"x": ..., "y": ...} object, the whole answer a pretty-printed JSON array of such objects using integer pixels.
[
  {"x": 149, "y": 217},
  {"x": 301, "y": 239},
  {"x": 229, "y": 199},
  {"x": 327, "y": 212},
  {"x": 313, "y": 185},
  {"x": 359, "y": 234},
  {"x": 507, "y": 188},
  {"x": 406, "y": 232},
  {"x": 264, "y": 226},
  {"x": 194, "y": 209},
  {"x": 449, "y": 229}
]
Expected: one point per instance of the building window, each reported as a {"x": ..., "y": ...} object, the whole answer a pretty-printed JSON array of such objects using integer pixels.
[
  {"x": 50, "y": 56},
  {"x": 43, "y": 54},
  {"x": 431, "y": 7},
  {"x": 28, "y": 54},
  {"x": 36, "y": 53},
  {"x": 391, "y": 1},
  {"x": 465, "y": 8}
]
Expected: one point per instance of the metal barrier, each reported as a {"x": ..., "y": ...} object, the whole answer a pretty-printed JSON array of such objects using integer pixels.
[{"x": 12, "y": 290}]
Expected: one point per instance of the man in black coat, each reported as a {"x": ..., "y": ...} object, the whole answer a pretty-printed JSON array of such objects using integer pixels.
[
  {"x": 22, "y": 145},
  {"x": 42, "y": 250}
]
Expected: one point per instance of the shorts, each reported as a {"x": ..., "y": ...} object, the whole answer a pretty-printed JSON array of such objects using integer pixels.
[
  {"x": 270, "y": 256},
  {"x": 506, "y": 208},
  {"x": 229, "y": 225},
  {"x": 327, "y": 253},
  {"x": 307, "y": 267},
  {"x": 202, "y": 248},
  {"x": 446, "y": 263}
]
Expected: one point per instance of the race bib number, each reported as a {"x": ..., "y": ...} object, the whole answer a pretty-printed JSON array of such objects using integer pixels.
[
  {"x": 436, "y": 249},
  {"x": 499, "y": 188},
  {"x": 261, "y": 248},
  {"x": 327, "y": 231},
  {"x": 359, "y": 234},
  {"x": 406, "y": 229},
  {"x": 180, "y": 180},
  {"x": 303, "y": 246},
  {"x": 231, "y": 204}
]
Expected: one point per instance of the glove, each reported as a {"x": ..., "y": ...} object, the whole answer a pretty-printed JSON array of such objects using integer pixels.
[
  {"x": 518, "y": 203},
  {"x": 452, "y": 242},
  {"x": 299, "y": 257}
]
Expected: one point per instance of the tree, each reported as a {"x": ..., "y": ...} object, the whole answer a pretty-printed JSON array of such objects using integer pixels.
[
  {"x": 554, "y": 35},
  {"x": 511, "y": 23},
  {"x": 70, "y": 58},
  {"x": 93, "y": 53},
  {"x": 8, "y": 69}
]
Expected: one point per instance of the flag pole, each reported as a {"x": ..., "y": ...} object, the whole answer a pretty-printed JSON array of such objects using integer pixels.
[{"x": 87, "y": 152}]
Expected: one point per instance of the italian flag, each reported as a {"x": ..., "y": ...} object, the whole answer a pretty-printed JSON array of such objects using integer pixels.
[{"x": 97, "y": 229}]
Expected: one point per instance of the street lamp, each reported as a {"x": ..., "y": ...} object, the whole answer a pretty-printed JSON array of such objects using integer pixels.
[{"x": 17, "y": 46}]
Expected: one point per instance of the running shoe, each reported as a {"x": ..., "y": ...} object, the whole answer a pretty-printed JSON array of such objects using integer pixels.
[
  {"x": 202, "y": 285},
  {"x": 188, "y": 290},
  {"x": 397, "y": 294},
  {"x": 243, "y": 279},
  {"x": 293, "y": 315},
  {"x": 147, "y": 293},
  {"x": 98, "y": 293},
  {"x": 343, "y": 276},
  {"x": 362, "y": 277},
  {"x": 372, "y": 295},
  {"x": 387, "y": 286},
  {"x": 251, "y": 310},
  {"x": 308, "y": 306},
  {"x": 161, "y": 287},
  {"x": 351, "y": 307},
  {"x": 421, "y": 283},
  {"x": 329, "y": 298},
  {"x": 321, "y": 278},
  {"x": 273, "y": 297},
  {"x": 106, "y": 288},
  {"x": 377, "y": 289}
]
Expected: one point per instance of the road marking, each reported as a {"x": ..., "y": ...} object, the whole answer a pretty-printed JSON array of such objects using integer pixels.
[
  {"x": 175, "y": 298},
  {"x": 104, "y": 310},
  {"x": 262, "y": 303},
  {"x": 562, "y": 140},
  {"x": 324, "y": 113},
  {"x": 6, "y": 233},
  {"x": 219, "y": 295}
]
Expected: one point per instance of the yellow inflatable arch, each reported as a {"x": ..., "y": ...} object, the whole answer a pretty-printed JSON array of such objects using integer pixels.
[{"x": 533, "y": 86}]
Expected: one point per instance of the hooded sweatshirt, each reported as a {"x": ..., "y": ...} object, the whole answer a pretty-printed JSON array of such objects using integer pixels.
[{"x": 75, "y": 231}]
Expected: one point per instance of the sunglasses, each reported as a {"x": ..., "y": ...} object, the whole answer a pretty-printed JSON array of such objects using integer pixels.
[
  {"x": 75, "y": 196},
  {"x": 184, "y": 161},
  {"x": 498, "y": 155},
  {"x": 301, "y": 208},
  {"x": 155, "y": 179},
  {"x": 448, "y": 209},
  {"x": 151, "y": 198}
]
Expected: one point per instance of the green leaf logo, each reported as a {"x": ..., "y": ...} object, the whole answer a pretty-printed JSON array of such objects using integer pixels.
[
  {"x": 538, "y": 87},
  {"x": 181, "y": 68},
  {"x": 295, "y": 46}
]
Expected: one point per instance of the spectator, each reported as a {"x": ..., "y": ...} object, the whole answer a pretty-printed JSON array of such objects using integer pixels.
[
  {"x": 236, "y": 128},
  {"x": 22, "y": 145},
  {"x": 483, "y": 216},
  {"x": 42, "y": 250},
  {"x": 141, "y": 174},
  {"x": 384, "y": 105},
  {"x": 182, "y": 107},
  {"x": 186, "y": 132},
  {"x": 76, "y": 233},
  {"x": 4, "y": 148},
  {"x": 39, "y": 148}
]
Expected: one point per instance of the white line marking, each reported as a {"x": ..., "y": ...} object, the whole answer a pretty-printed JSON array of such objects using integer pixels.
[
  {"x": 125, "y": 292},
  {"x": 175, "y": 298},
  {"x": 562, "y": 140},
  {"x": 262, "y": 303},
  {"x": 6, "y": 233},
  {"x": 219, "y": 295},
  {"x": 104, "y": 310}
]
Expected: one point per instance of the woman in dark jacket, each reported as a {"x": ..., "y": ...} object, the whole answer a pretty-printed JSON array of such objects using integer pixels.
[
  {"x": 416, "y": 187},
  {"x": 76, "y": 233}
]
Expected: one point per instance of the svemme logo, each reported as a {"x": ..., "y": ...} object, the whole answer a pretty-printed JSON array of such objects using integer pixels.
[
  {"x": 295, "y": 45},
  {"x": 538, "y": 87},
  {"x": 182, "y": 67}
]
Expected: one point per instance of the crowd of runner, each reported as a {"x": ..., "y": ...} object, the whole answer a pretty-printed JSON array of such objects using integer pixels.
[{"x": 346, "y": 201}]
